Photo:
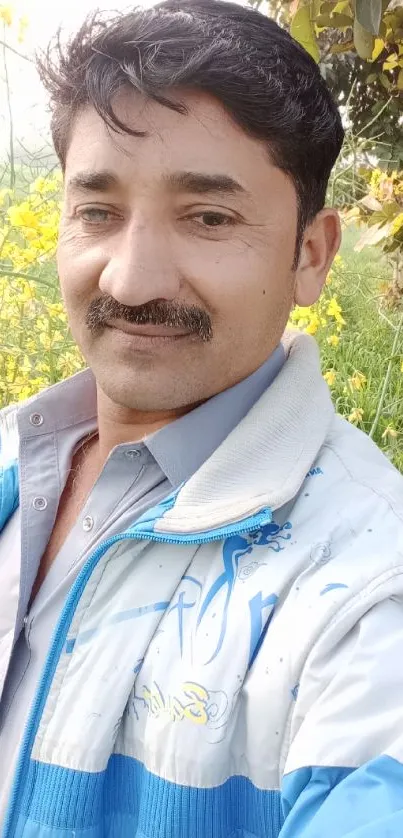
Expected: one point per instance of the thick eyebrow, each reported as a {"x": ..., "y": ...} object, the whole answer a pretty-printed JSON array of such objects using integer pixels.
[
  {"x": 93, "y": 181},
  {"x": 198, "y": 183},
  {"x": 201, "y": 184}
]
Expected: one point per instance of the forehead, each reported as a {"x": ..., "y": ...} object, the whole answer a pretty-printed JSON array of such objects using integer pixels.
[{"x": 205, "y": 140}]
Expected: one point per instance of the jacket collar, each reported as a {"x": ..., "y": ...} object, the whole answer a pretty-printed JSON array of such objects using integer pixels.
[{"x": 265, "y": 459}]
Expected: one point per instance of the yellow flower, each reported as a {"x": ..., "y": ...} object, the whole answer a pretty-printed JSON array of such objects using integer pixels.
[
  {"x": 401, "y": 367},
  {"x": 313, "y": 323},
  {"x": 300, "y": 315},
  {"x": 6, "y": 14},
  {"x": 22, "y": 26},
  {"x": 397, "y": 224},
  {"x": 333, "y": 340},
  {"x": 25, "y": 392},
  {"x": 390, "y": 431},
  {"x": 333, "y": 309},
  {"x": 357, "y": 381},
  {"x": 57, "y": 310},
  {"x": 330, "y": 377},
  {"x": 376, "y": 178},
  {"x": 356, "y": 415},
  {"x": 23, "y": 216}
]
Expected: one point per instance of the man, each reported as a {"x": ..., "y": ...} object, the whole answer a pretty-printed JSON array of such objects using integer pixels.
[{"x": 216, "y": 555}]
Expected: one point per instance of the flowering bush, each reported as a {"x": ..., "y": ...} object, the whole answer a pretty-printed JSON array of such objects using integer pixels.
[
  {"x": 325, "y": 320},
  {"x": 36, "y": 347},
  {"x": 9, "y": 18},
  {"x": 381, "y": 210}
]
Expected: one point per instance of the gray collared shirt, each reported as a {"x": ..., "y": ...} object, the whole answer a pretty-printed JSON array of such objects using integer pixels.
[{"x": 135, "y": 477}]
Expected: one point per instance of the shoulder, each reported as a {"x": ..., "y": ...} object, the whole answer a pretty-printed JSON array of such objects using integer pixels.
[
  {"x": 348, "y": 522},
  {"x": 356, "y": 495},
  {"x": 362, "y": 464}
]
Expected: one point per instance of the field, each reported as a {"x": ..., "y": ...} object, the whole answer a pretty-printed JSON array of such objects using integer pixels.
[
  {"x": 368, "y": 362},
  {"x": 361, "y": 339}
]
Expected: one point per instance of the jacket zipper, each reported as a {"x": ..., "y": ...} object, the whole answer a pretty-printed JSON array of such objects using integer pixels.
[{"x": 248, "y": 524}]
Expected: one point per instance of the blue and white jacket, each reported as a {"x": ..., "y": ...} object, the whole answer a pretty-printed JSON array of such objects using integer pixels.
[{"x": 232, "y": 665}]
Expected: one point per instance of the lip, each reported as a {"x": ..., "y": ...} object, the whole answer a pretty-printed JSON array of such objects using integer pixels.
[
  {"x": 142, "y": 341},
  {"x": 147, "y": 331}
]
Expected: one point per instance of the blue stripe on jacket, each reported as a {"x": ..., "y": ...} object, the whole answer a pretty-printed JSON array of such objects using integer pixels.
[
  {"x": 127, "y": 800},
  {"x": 364, "y": 802},
  {"x": 9, "y": 494}
]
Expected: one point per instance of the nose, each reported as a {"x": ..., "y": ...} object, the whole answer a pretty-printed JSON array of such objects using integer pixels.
[{"x": 140, "y": 266}]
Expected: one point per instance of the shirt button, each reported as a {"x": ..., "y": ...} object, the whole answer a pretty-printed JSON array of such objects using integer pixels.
[
  {"x": 39, "y": 503},
  {"x": 36, "y": 419},
  {"x": 88, "y": 523},
  {"x": 132, "y": 453}
]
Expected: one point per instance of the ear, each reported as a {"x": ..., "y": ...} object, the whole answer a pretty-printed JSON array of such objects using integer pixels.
[{"x": 320, "y": 244}]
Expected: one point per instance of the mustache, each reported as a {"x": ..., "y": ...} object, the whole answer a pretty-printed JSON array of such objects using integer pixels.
[{"x": 155, "y": 313}]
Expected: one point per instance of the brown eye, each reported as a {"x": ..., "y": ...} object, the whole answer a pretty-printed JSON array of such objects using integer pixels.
[{"x": 215, "y": 219}]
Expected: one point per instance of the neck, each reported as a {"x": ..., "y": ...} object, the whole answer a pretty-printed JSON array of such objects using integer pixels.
[{"x": 118, "y": 424}]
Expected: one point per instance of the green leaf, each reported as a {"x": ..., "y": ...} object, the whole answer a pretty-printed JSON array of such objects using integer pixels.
[
  {"x": 391, "y": 209},
  {"x": 371, "y": 203},
  {"x": 302, "y": 31},
  {"x": 339, "y": 48},
  {"x": 343, "y": 7},
  {"x": 383, "y": 30},
  {"x": 336, "y": 21},
  {"x": 324, "y": 21},
  {"x": 341, "y": 21},
  {"x": 316, "y": 7},
  {"x": 385, "y": 81},
  {"x": 369, "y": 14},
  {"x": 363, "y": 41},
  {"x": 373, "y": 236},
  {"x": 327, "y": 8}
]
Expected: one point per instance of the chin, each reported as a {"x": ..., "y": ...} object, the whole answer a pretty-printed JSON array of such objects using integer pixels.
[{"x": 145, "y": 392}]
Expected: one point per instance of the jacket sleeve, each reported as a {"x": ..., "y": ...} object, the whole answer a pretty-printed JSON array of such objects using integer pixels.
[{"x": 343, "y": 775}]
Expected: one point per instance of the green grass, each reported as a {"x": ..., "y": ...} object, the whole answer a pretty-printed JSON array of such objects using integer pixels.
[{"x": 366, "y": 346}]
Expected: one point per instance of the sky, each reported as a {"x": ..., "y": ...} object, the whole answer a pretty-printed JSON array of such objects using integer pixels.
[{"x": 28, "y": 100}]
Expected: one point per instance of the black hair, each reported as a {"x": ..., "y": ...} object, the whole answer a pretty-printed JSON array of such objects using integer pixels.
[{"x": 268, "y": 83}]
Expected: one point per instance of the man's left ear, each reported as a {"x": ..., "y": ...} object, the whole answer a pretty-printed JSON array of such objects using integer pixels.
[{"x": 320, "y": 244}]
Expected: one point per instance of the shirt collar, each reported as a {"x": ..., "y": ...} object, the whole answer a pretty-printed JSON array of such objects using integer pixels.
[{"x": 179, "y": 448}]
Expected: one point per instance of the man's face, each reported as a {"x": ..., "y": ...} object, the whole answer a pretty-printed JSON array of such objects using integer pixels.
[{"x": 190, "y": 227}]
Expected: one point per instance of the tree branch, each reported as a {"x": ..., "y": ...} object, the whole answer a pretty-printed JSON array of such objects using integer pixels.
[
  {"x": 10, "y": 117},
  {"x": 21, "y": 275},
  {"x": 15, "y": 51}
]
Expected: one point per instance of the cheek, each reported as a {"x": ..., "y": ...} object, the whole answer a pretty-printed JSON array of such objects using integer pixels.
[
  {"x": 242, "y": 281},
  {"x": 79, "y": 268}
]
